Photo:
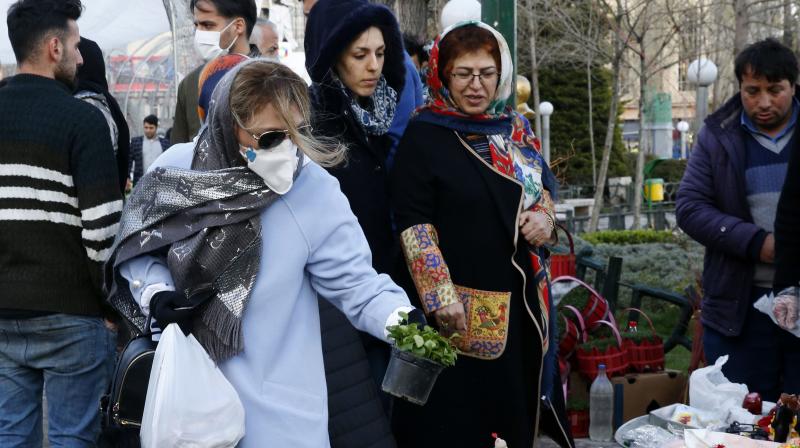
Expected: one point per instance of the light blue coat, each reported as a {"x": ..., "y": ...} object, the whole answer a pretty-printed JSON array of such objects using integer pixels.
[{"x": 312, "y": 245}]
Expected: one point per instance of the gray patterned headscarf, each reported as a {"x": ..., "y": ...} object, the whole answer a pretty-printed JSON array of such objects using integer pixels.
[{"x": 206, "y": 221}]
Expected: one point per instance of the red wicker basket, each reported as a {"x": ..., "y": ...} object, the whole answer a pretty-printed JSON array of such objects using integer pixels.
[
  {"x": 596, "y": 307},
  {"x": 563, "y": 264},
  {"x": 615, "y": 358},
  {"x": 579, "y": 423},
  {"x": 647, "y": 356},
  {"x": 572, "y": 333}
]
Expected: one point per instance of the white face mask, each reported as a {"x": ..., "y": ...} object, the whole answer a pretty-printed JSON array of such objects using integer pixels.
[
  {"x": 207, "y": 43},
  {"x": 276, "y": 165}
]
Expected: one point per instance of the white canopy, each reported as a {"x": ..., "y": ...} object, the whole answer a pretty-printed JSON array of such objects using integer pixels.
[{"x": 110, "y": 23}]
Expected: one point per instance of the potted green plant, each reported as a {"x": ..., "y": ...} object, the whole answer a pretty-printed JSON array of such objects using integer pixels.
[
  {"x": 419, "y": 353},
  {"x": 644, "y": 347},
  {"x": 578, "y": 416}
]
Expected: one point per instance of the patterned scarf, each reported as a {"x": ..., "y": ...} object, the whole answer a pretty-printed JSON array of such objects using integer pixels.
[
  {"x": 376, "y": 119},
  {"x": 207, "y": 223},
  {"x": 515, "y": 152}
]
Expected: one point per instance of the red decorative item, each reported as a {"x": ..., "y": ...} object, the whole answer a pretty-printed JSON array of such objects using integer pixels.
[
  {"x": 579, "y": 423},
  {"x": 615, "y": 358},
  {"x": 646, "y": 355},
  {"x": 563, "y": 264},
  {"x": 753, "y": 403}
]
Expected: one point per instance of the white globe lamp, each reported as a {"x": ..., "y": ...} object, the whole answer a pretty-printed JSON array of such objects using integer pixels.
[
  {"x": 701, "y": 72},
  {"x": 456, "y": 11},
  {"x": 545, "y": 110},
  {"x": 683, "y": 126}
]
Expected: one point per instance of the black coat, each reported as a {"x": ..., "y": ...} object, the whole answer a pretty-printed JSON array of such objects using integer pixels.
[
  {"x": 474, "y": 209},
  {"x": 787, "y": 226},
  {"x": 332, "y": 25},
  {"x": 357, "y": 418}
]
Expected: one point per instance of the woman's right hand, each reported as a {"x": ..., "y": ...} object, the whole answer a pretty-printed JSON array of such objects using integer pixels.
[{"x": 451, "y": 318}]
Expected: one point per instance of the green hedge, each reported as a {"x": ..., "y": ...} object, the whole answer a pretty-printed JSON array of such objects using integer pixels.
[{"x": 625, "y": 237}]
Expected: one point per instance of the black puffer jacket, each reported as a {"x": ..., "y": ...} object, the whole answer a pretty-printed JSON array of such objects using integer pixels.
[{"x": 357, "y": 418}]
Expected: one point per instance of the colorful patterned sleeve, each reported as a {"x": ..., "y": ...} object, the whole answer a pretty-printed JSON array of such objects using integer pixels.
[{"x": 431, "y": 276}]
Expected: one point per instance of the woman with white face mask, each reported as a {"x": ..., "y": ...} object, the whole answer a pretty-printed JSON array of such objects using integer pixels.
[{"x": 250, "y": 211}]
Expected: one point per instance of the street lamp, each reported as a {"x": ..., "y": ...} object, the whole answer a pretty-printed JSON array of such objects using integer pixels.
[
  {"x": 546, "y": 109},
  {"x": 456, "y": 11},
  {"x": 702, "y": 73},
  {"x": 683, "y": 128}
]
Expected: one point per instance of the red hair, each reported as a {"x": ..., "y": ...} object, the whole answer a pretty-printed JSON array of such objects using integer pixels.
[{"x": 464, "y": 40}]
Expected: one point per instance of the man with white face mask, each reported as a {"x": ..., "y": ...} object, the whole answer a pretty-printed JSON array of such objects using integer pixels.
[{"x": 221, "y": 27}]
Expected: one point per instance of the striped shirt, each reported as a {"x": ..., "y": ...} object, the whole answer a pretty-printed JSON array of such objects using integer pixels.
[{"x": 59, "y": 200}]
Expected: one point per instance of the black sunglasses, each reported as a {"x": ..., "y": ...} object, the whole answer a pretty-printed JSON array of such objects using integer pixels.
[{"x": 273, "y": 138}]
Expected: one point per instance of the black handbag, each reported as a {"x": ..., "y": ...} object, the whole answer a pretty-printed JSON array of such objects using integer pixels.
[{"x": 123, "y": 406}]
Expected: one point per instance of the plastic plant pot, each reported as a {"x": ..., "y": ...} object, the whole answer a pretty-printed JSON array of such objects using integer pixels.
[{"x": 410, "y": 377}]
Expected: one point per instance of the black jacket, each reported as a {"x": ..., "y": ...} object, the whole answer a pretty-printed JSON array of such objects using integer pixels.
[
  {"x": 91, "y": 76},
  {"x": 787, "y": 226},
  {"x": 332, "y": 25},
  {"x": 356, "y": 414}
]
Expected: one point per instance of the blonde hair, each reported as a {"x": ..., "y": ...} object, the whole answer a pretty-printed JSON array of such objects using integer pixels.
[{"x": 265, "y": 82}]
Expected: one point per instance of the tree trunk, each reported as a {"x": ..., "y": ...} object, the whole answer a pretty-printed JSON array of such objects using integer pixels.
[
  {"x": 534, "y": 68},
  {"x": 788, "y": 24},
  {"x": 741, "y": 26},
  {"x": 600, "y": 185},
  {"x": 591, "y": 116},
  {"x": 412, "y": 15},
  {"x": 181, "y": 24},
  {"x": 644, "y": 142}
]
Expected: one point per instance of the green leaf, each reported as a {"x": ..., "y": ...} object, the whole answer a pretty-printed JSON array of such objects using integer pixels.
[{"x": 418, "y": 340}]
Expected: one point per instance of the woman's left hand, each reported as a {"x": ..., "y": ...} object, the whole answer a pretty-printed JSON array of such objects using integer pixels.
[{"x": 535, "y": 228}]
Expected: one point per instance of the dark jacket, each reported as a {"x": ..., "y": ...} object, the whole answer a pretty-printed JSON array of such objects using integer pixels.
[
  {"x": 474, "y": 210},
  {"x": 787, "y": 227},
  {"x": 186, "y": 121},
  {"x": 91, "y": 76},
  {"x": 712, "y": 208},
  {"x": 136, "y": 166},
  {"x": 332, "y": 25},
  {"x": 355, "y": 410}
]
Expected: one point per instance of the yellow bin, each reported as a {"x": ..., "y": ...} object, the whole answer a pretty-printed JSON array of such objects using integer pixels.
[{"x": 654, "y": 190}]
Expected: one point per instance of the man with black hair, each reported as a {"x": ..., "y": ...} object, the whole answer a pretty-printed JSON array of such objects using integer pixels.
[
  {"x": 416, "y": 50},
  {"x": 221, "y": 27},
  {"x": 727, "y": 201},
  {"x": 146, "y": 148},
  {"x": 59, "y": 211}
]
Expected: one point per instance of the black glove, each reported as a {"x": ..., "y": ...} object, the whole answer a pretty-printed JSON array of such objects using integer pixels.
[
  {"x": 169, "y": 307},
  {"x": 416, "y": 316}
]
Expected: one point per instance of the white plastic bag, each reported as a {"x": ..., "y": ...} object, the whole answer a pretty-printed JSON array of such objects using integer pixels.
[
  {"x": 189, "y": 402},
  {"x": 766, "y": 304},
  {"x": 709, "y": 390}
]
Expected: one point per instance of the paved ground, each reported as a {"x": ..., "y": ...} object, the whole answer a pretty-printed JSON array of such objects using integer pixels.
[{"x": 580, "y": 443}]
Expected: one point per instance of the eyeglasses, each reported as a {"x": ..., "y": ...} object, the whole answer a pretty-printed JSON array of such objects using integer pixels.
[
  {"x": 466, "y": 77},
  {"x": 272, "y": 138}
]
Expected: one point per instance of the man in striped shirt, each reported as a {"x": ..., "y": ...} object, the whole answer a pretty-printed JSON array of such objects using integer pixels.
[{"x": 59, "y": 212}]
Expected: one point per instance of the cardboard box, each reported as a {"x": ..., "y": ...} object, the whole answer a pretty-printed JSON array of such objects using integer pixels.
[{"x": 637, "y": 394}]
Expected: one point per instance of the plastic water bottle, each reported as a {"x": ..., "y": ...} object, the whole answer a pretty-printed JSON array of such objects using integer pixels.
[{"x": 601, "y": 407}]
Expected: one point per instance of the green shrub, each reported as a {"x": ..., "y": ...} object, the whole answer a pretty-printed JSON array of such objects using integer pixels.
[{"x": 620, "y": 237}]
